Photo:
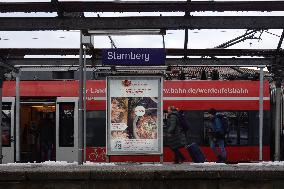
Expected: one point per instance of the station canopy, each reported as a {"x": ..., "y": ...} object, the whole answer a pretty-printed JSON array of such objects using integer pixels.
[{"x": 228, "y": 35}]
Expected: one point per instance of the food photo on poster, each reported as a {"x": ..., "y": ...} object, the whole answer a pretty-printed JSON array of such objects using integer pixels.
[{"x": 134, "y": 117}]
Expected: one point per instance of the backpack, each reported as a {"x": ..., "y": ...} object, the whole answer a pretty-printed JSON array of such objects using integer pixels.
[
  {"x": 182, "y": 121},
  {"x": 223, "y": 130}
]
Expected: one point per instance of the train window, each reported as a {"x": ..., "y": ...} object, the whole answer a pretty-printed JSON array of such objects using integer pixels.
[
  {"x": 6, "y": 124},
  {"x": 238, "y": 127},
  {"x": 66, "y": 124},
  {"x": 96, "y": 128},
  {"x": 195, "y": 130},
  {"x": 243, "y": 125},
  {"x": 195, "y": 122}
]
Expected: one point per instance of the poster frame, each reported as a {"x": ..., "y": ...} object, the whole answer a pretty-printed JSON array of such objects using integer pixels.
[{"x": 109, "y": 151}]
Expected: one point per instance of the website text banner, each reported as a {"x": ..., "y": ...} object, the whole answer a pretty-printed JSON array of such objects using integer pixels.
[
  {"x": 214, "y": 89},
  {"x": 134, "y": 56},
  {"x": 134, "y": 114}
]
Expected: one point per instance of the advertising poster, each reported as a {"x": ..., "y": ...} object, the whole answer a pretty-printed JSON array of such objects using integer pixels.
[{"x": 134, "y": 115}]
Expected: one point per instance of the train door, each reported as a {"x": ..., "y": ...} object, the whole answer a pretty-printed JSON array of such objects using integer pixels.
[
  {"x": 8, "y": 129},
  {"x": 67, "y": 129},
  {"x": 37, "y": 130}
]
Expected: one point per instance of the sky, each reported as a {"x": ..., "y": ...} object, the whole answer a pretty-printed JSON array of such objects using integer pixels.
[{"x": 198, "y": 39}]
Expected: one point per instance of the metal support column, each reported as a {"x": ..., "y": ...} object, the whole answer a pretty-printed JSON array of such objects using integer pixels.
[
  {"x": 17, "y": 126},
  {"x": 85, "y": 108},
  {"x": 81, "y": 109},
  {"x": 277, "y": 120},
  {"x": 1, "y": 85},
  {"x": 260, "y": 113}
]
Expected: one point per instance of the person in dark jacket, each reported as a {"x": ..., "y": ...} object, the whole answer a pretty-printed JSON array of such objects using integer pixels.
[
  {"x": 176, "y": 138},
  {"x": 216, "y": 136}
]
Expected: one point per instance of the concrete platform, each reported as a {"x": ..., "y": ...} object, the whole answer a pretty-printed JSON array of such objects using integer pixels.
[{"x": 140, "y": 176}]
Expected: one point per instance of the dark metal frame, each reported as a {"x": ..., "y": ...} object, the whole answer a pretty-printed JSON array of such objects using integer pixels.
[
  {"x": 140, "y": 6},
  {"x": 140, "y": 22}
]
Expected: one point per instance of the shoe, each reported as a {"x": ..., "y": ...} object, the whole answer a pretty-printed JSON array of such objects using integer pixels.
[
  {"x": 182, "y": 160},
  {"x": 220, "y": 159}
]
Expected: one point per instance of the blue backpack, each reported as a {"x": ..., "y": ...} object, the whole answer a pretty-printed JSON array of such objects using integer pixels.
[{"x": 224, "y": 124}]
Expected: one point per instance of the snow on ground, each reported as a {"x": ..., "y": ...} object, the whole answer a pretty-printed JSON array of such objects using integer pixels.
[{"x": 101, "y": 164}]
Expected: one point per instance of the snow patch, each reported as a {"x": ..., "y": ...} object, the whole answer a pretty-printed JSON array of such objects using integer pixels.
[
  {"x": 58, "y": 163},
  {"x": 88, "y": 163},
  {"x": 264, "y": 163},
  {"x": 151, "y": 164}
]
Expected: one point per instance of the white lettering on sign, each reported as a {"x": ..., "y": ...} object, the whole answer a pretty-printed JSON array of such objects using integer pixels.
[{"x": 128, "y": 56}]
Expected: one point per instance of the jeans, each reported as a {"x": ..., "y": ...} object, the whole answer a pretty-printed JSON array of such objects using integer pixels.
[{"x": 221, "y": 144}]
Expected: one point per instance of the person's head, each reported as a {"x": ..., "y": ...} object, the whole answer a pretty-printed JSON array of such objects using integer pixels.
[
  {"x": 212, "y": 112},
  {"x": 171, "y": 109}
]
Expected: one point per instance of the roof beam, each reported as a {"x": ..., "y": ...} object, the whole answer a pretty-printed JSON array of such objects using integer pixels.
[
  {"x": 20, "y": 52},
  {"x": 142, "y": 22},
  {"x": 247, "y": 62},
  {"x": 138, "y": 6}
]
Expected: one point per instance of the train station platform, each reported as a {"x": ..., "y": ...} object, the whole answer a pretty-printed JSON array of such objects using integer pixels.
[{"x": 267, "y": 175}]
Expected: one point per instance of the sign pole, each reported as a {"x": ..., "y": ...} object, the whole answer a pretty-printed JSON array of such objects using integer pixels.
[
  {"x": 277, "y": 120},
  {"x": 1, "y": 87},
  {"x": 18, "y": 112},
  {"x": 81, "y": 108},
  {"x": 260, "y": 113},
  {"x": 84, "y": 105}
]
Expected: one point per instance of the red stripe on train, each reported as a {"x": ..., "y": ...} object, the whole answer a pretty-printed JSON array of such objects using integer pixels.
[
  {"x": 234, "y": 154},
  {"x": 96, "y": 89}
]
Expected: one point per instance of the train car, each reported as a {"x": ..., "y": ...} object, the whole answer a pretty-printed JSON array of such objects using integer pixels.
[{"x": 57, "y": 102}]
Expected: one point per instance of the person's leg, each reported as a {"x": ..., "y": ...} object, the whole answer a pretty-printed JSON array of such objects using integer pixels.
[
  {"x": 49, "y": 151},
  {"x": 221, "y": 144},
  {"x": 176, "y": 155},
  {"x": 213, "y": 147},
  {"x": 44, "y": 151},
  {"x": 180, "y": 156}
]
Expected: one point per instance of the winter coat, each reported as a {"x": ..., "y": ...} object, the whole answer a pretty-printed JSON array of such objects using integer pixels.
[{"x": 176, "y": 137}]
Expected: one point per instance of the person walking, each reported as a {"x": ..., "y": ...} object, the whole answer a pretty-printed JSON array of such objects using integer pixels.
[
  {"x": 217, "y": 135},
  {"x": 176, "y": 138}
]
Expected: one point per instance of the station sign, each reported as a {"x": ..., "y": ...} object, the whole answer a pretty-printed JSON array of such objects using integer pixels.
[{"x": 134, "y": 56}]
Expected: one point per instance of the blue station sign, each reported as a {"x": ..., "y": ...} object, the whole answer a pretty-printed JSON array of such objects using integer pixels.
[{"x": 135, "y": 56}]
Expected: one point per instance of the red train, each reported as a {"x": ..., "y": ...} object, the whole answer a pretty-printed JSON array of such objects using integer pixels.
[{"x": 58, "y": 101}]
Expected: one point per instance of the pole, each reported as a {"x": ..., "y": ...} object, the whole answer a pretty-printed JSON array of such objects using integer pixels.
[
  {"x": 80, "y": 113},
  {"x": 85, "y": 90},
  {"x": 1, "y": 85},
  {"x": 260, "y": 112},
  {"x": 277, "y": 120},
  {"x": 17, "y": 128}
]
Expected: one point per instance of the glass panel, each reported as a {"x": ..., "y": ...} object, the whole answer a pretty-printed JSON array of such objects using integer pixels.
[
  {"x": 233, "y": 135},
  {"x": 6, "y": 124},
  {"x": 66, "y": 124},
  {"x": 238, "y": 127},
  {"x": 243, "y": 123},
  {"x": 96, "y": 128}
]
